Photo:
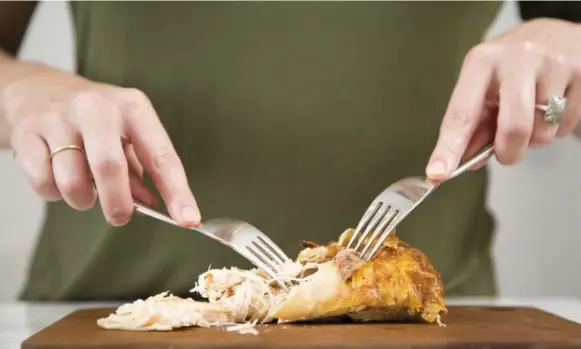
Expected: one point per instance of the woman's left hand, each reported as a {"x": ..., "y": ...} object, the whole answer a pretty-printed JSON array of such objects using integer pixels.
[{"x": 499, "y": 85}]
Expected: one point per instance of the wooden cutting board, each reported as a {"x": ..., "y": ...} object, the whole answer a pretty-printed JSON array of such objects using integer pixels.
[{"x": 467, "y": 327}]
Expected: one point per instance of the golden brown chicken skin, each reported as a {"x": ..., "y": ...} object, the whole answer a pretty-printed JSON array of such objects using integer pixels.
[{"x": 398, "y": 284}]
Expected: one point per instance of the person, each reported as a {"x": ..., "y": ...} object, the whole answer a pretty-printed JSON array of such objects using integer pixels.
[{"x": 289, "y": 115}]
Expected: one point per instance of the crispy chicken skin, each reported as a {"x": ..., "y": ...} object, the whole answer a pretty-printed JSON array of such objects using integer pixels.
[{"x": 398, "y": 284}]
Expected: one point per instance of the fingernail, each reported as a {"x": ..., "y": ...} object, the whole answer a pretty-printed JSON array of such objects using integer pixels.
[
  {"x": 437, "y": 169},
  {"x": 190, "y": 214}
]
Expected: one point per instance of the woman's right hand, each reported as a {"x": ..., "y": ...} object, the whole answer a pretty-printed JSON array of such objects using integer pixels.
[{"x": 117, "y": 128}]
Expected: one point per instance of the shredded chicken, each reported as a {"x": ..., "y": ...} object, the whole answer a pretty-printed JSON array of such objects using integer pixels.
[
  {"x": 399, "y": 284},
  {"x": 165, "y": 312},
  {"x": 245, "y": 328}
]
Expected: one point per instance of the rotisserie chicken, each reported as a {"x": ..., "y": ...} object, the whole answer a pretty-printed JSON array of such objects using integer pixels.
[{"x": 399, "y": 284}]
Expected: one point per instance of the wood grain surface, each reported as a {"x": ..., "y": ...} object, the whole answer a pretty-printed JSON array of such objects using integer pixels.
[{"x": 467, "y": 327}]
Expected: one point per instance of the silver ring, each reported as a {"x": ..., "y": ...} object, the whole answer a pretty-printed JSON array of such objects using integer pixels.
[{"x": 554, "y": 110}]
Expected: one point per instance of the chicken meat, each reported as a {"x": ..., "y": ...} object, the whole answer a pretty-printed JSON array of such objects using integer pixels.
[{"x": 326, "y": 281}]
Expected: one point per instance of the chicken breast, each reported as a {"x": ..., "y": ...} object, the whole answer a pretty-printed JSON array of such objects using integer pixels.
[{"x": 399, "y": 284}]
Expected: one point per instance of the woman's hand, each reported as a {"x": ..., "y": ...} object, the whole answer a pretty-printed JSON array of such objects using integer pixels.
[
  {"x": 515, "y": 71},
  {"x": 117, "y": 128}
]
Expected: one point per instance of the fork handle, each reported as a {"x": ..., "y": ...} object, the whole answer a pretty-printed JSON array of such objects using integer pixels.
[
  {"x": 484, "y": 154},
  {"x": 148, "y": 211}
]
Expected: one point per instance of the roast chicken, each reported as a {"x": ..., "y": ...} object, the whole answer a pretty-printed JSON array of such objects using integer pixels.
[{"x": 326, "y": 281}]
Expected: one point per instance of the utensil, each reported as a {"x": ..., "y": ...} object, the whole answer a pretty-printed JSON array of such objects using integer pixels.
[
  {"x": 242, "y": 237},
  {"x": 398, "y": 200}
]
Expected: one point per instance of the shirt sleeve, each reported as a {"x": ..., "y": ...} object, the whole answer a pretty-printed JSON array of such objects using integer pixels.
[{"x": 566, "y": 10}]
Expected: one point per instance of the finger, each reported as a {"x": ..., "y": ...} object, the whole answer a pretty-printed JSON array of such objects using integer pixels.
[
  {"x": 69, "y": 166},
  {"x": 573, "y": 109},
  {"x": 159, "y": 158},
  {"x": 516, "y": 112},
  {"x": 139, "y": 191},
  {"x": 100, "y": 125},
  {"x": 134, "y": 164},
  {"x": 483, "y": 136},
  {"x": 553, "y": 81},
  {"x": 33, "y": 157},
  {"x": 462, "y": 116}
]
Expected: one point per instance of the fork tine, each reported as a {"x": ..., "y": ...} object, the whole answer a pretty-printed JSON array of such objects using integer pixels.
[
  {"x": 380, "y": 227},
  {"x": 269, "y": 253},
  {"x": 275, "y": 250},
  {"x": 393, "y": 222},
  {"x": 362, "y": 223},
  {"x": 261, "y": 253},
  {"x": 373, "y": 224},
  {"x": 259, "y": 259}
]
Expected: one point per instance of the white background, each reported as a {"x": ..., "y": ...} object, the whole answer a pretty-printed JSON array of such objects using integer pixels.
[{"x": 537, "y": 203}]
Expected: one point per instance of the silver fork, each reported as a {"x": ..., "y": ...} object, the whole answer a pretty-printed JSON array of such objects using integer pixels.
[
  {"x": 390, "y": 207},
  {"x": 242, "y": 237}
]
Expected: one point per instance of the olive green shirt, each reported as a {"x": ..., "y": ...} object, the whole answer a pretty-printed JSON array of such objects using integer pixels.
[{"x": 290, "y": 115}]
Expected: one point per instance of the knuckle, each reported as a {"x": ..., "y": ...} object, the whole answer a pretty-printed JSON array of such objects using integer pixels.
[
  {"x": 51, "y": 118},
  {"x": 86, "y": 203},
  {"x": 119, "y": 215},
  {"x": 165, "y": 157},
  {"x": 541, "y": 139},
  {"x": 516, "y": 131},
  {"x": 134, "y": 95},
  {"x": 449, "y": 147},
  {"x": 526, "y": 48},
  {"x": 508, "y": 159},
  {"x": 557, "y": 60},
  {"x": 87, "y": 97},
  {"x": 447, "y": 151},
  {"x": 530, "y": 54},
  {"x": 71, "y": 186},
  {"x": 487, "y": 53},
  {"x": 133, "y": 99},
  {"x": 508, "y": 155},
  {"x": 457, "y": 118},
  {"x": 110, "y": 165},
  {"x": 41, "y": 185},
  {"x": 24, "y": 126}
]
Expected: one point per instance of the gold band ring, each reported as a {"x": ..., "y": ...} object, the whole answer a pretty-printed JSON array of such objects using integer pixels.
[{"x": 67, "y": 147}]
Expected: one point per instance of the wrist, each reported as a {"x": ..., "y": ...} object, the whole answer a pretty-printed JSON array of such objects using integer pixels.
[{"x": 11, "y": 70}]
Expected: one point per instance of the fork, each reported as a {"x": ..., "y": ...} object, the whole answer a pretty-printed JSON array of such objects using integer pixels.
[
  {"x": 242, "y": 237},
  {"x": 397, "y": 201}
]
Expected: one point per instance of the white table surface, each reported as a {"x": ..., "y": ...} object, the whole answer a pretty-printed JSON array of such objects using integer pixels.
[{"x": 19, "y": 320}]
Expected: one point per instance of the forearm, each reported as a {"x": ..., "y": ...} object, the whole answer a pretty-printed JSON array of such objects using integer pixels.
[{"x": 14, "y": 19}]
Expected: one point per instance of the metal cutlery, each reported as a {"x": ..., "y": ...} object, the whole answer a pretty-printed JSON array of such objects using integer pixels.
[
  {"x": 242, "y": 237},
  {"x": 397, "y": 201}
]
